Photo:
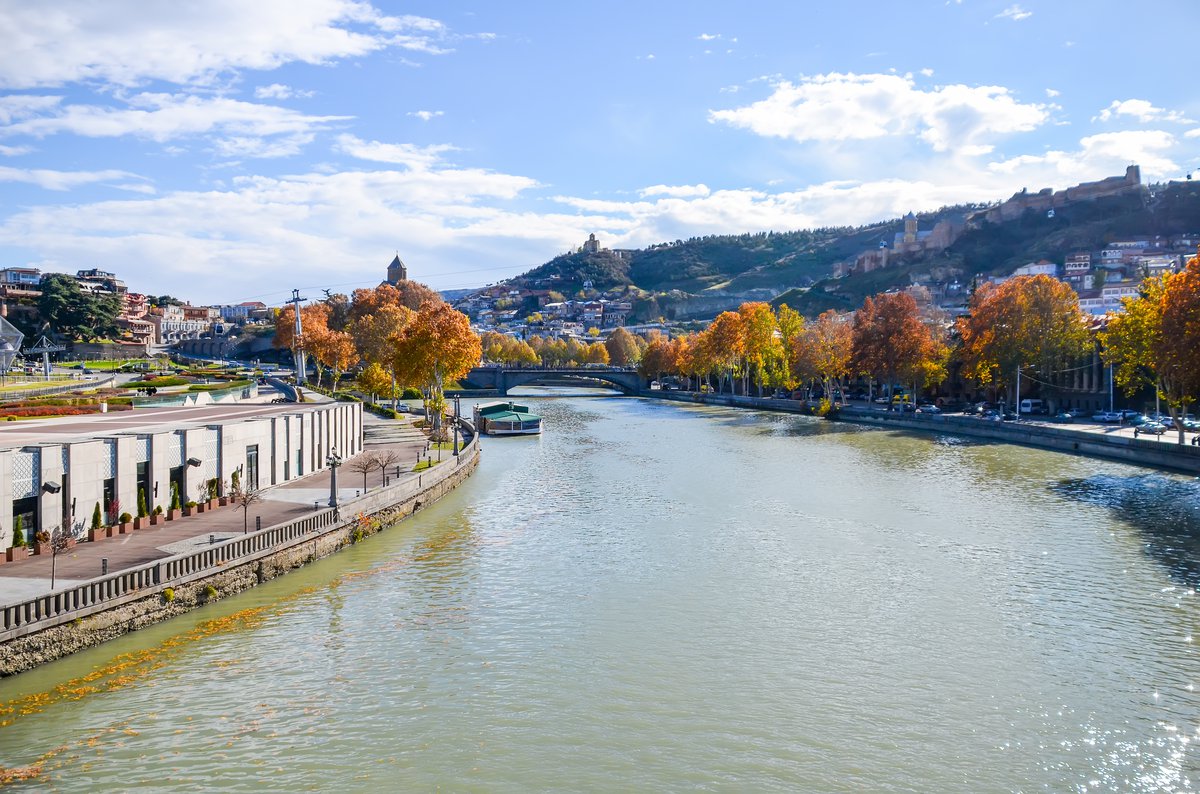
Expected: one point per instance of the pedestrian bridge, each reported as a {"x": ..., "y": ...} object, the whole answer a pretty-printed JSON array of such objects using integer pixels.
[{"x": 504, "y": 378}]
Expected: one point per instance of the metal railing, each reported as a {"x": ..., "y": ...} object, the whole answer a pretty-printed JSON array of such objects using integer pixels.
[{"x": 62, "y": 388}]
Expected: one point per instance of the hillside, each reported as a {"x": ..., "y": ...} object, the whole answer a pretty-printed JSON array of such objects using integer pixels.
[{"x": 817, "y": 269}]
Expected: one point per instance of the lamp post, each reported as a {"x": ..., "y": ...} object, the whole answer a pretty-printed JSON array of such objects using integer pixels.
[
  {"x": 333, "y": 460},
  {"x": 457, "y": 409}
]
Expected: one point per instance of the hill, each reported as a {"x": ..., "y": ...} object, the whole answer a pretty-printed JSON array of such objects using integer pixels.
[{"x": 836, "y": 267}]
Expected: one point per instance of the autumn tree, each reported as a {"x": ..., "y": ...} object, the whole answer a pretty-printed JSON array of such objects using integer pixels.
[
  {"x": 889, "y": 341},
  {"x": 438, "y": 345},
  {"x": 314, "y": 322},
  {"x": 760, "y": 345},
  {"x": 334, "y": 350},
  {"x": 722, "y": 346},
  {"x": 1027, "y": 322},
  {"x": 622, "y": 348},
  {"x": 1154, "y": 341},
  {"x": 825, "y": 349},
  {"x": 373, "y": 337},
  {"x": 375, "y": 380}
]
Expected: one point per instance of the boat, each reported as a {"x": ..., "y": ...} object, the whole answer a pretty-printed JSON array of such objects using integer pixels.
[{"x": 504, "y": 418}]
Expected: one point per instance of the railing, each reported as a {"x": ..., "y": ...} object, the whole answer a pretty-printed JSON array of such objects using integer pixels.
[
  {"x": 62, "y": 388},
  {"x": 130, "y": 584}
]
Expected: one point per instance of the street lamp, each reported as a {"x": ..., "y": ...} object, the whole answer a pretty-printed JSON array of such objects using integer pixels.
[{"x": 333, "y": 460}]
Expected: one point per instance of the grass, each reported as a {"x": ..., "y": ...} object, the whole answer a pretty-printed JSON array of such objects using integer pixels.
[
  {"x": 425, "y": 464},
  {"x": 37, "y": 384},
  {"x": 233, "y": 384},
  {"x": 158, "y": 383}
]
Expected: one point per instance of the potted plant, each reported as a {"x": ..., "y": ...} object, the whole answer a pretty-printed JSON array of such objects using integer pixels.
[
  {"x": 223, "y": 499},
  {"x": 190, "y": 508},
  {"x": 41, "y": 542},
  {"x": 174, "y": 510},
  {"x": 142, "y": 514},
  {"x": 124, "y": 527},
  {"x": 211, "y": 493},
  {"x": 156, "y": 517},
  {"x": 19, "y": 550},
  {"x": 96, "y": 530}
]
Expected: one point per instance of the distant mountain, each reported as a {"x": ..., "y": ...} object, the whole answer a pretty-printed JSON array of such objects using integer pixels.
[{"x": 817, "y": 269}]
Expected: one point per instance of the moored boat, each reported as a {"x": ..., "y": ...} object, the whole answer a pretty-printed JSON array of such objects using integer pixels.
[{"x": 506, "y": 418}]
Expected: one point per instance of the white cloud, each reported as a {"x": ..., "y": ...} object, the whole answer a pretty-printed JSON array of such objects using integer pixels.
[
  {"x": 1106, "y": 154},
  {"x": 14, "y": 151},
  {"x": 406, "y": 154},
  {"x": 164, "y": 117},
  {"x": 1015, "y": 13},
  {"x": 60, "y": 180},
  {"x": 1051, "y": 93},
  {"x": 678, "y": 191},
  {"x": 927, "y": 72},
  {"x": 1192, "y": 133},
  {"x": 280, "y": 91},
  {"x": 127, "y": 42},
  {"x": 841, "y": 107},
  {"x": 1141, "y": 110},
  {"x": 708, "y": 37},
  {"x": 426, "y": 115}
]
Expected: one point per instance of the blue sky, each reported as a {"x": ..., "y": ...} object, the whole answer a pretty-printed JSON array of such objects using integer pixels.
[{"x": 225, "y": 151}]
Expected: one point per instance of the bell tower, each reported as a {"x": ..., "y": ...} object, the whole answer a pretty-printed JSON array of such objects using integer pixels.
[{"x": 396, "y": 271}]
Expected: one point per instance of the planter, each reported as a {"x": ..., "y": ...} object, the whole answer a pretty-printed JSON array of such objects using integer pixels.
[
  {"x": 201, "y": 507},
  {"x": 99, "y": 534},
  {"x": 172, "y": 514},
  {"x": 69, "y": 544},
  {"x": 224, "y": 500},
  {"x": 188, "y": 511},
  {"x": 156, "y": 519},
  {"x": 16, "y": 553},
  {"x": 141, "y": 522},
  {"x": 41, "y": 548}
]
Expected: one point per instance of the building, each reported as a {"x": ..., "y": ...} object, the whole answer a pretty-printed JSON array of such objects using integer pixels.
[
  {"x": 244, "y": 311},
  {"x": 396, "y": 272},
  {"x": 100, "y": 281},
  {"x": 55, "y": 474}
]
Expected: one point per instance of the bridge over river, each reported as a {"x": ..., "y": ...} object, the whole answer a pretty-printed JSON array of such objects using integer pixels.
[{"x": 504, "y": 378}]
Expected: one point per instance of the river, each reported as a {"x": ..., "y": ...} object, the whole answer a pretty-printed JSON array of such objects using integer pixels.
[{"x": 656, "y": 596}]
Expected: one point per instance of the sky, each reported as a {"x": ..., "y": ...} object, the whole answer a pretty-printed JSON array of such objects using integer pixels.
[{"x": 224, "y": 151}]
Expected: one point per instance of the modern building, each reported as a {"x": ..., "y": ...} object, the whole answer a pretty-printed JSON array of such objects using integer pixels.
[{"x": 53, "y": 473}]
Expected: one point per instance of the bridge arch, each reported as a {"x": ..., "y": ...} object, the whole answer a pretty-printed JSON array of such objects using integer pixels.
[{"x": 504, "y": 378}]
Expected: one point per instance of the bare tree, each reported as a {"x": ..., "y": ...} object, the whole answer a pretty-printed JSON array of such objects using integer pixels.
[
  {"x": 364, "y": 464},
  {"x": 244, "y": 499},
  {"x": 385, "y": 459}
]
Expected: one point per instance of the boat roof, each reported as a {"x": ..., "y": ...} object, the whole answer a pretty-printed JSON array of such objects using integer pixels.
[
  {"x": 490, "y": 410},
  {"x": 512, "y": 416}
]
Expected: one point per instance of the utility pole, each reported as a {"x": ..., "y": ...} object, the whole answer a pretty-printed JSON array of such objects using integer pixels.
[{"x": 298, "y": 357}]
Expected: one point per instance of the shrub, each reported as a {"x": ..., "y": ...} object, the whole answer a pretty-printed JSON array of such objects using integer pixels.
[
  {"x": 190, "y": 504},
  {"x": 97, "y": 521},
  {"x": 19, "y": 533},
  {"x": 42, "y": 536},
  {"x": 410, "y": 393},
  {"x": 142, "y": 503},
  {"x": 125, "y": 518},
  {"x": 174, "y": 496},
  {"x": 824, "y": 407},
  {"x": 169, "y": 594},
  {"x": 212, "y": 488},
  {"x": 158, "y": 511},
  {"x": 210, "y": 592}
]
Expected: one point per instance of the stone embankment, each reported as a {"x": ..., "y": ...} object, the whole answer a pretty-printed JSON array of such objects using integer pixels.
[
  {"x": 1158, "y": 453},
  {"x": 51, "y": 626}
]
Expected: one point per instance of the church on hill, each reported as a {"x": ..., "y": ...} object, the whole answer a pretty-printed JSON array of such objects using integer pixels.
[{"x": 396, "y": 272}]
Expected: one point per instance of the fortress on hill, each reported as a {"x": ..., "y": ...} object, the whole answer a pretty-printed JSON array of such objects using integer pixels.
[{"x": 914, "y": 241}]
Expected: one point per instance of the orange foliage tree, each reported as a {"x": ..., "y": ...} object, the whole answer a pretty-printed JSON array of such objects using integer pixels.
[
  {"x": 1027, "y": 322},
  {"x": 436, "y": 346},
  {"x": 889, "y": 341}
]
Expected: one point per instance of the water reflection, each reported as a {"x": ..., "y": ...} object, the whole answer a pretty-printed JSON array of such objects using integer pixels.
[{"x": 1165, "y": 510}]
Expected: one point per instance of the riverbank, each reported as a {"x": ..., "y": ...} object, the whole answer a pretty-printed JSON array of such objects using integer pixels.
[
  {"x": 1106, "y": 442},
  {"x": 83, "y": 614}
]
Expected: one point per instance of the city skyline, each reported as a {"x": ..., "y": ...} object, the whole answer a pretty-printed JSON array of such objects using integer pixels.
[{"x": 228, "y": 153}]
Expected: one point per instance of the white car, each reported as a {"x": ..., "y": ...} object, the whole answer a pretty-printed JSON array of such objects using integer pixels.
[{"x": 1106, "y": 416}]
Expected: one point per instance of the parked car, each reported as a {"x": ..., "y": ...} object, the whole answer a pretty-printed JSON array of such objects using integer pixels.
[
  {"x": 1065, "y": 417},
  {"x": 990, "y": 414},
  {"x": 404, "y": 408},
  {"x": 928, "y": 409},
  {"x": 1008, "y": 416},
  {"x": 1106, "y": 416}
]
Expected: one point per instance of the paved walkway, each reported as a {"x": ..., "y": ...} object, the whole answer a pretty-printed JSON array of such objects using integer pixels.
[{"x": 30, "y": 577}]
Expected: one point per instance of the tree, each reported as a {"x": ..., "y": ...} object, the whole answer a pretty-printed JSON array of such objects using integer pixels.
[
  {"x": 825, "y": 348},
  {"x": 622, "y": 348},
  {"x": 75, "y": 314},
  {"x": 363, "y": 464},
  {"x": 244, "y": 499},
  {"x": 375, "y": 380},
  {"x": 760, "y": 345},
  {"x": 334, "y": 350},
  {"x": 1154, "y": 341},
  {"x": 889, "y": 341},
  {"x": 314, "y": 320},
  {"x": 436, "y": 346},
  {"x": 723, "y": 345},
  {"x": 1026, "y": 322},
  {"x": 373, "y": 336}
]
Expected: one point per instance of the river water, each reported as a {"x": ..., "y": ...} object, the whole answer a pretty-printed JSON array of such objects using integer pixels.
[{"x": 654, "y": 596}]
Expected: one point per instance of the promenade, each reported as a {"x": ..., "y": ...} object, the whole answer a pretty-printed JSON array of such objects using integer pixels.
[{"x": 31, "y": 577}]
